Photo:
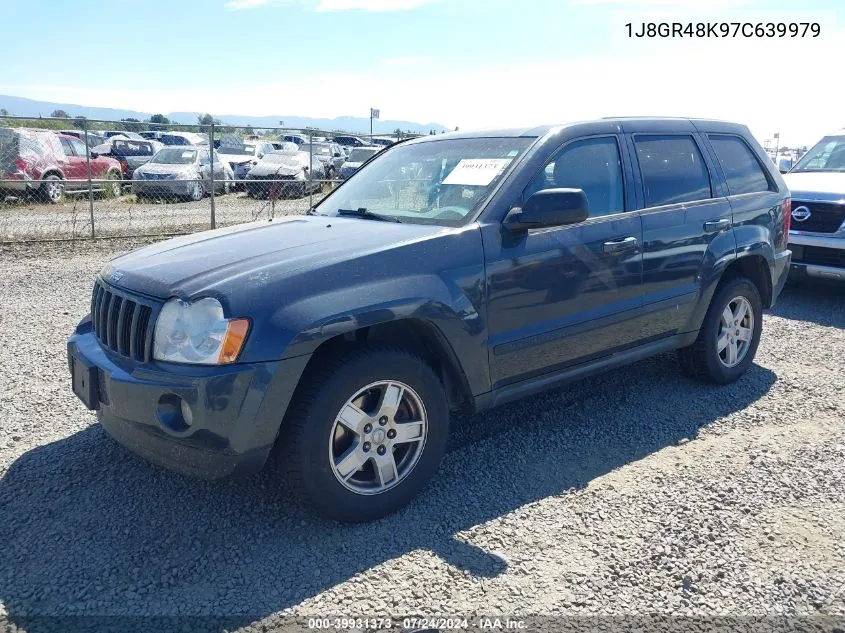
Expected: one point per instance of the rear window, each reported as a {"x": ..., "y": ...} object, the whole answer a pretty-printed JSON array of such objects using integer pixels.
[
  {"x": 132, "y": 148},
  {"x": 742, "y": 169},
  {"x": 175, "y": 156},
  {"x": 169, "y": 139},
  {"x": 672, "y": 169},
  {"x": 359, "y": 155}
]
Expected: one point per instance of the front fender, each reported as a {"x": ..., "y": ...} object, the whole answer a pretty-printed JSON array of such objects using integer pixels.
[{"x": 443, "y": 305}]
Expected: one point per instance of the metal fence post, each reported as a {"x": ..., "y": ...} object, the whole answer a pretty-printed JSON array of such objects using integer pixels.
[
  {"x": 211, "y": 155},
  {"x": 310, "y": 169},
  {"x": 90, "y": 187}
]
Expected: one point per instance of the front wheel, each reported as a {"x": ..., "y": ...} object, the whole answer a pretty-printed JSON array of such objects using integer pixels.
[
  {"x": 366, "y": 433},
  {"x": 197, "y": 192},
  {"x": 729, "y": 336}
]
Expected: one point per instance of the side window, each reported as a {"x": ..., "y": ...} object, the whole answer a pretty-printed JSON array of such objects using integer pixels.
[
  {"x": 593, "y": 165},
  {"x": 66, "y": 146},
  {"x": 78, "y": 147},
  {"x": 742, "y": 169},
  {"x": 672, "y": 169}
]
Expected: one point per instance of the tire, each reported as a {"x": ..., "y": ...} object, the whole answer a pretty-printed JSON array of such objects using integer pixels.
[
  {"x": 52, "y": 189},
  {"x": 704, "y": 359},
  {"x": 197, "y": 192},
  {"x": 314, "y": 441},
  {"x": 114, "y": 189}
]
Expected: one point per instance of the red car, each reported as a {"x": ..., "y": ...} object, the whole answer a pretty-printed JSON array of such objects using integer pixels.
[{"x": 48, "y": 164}]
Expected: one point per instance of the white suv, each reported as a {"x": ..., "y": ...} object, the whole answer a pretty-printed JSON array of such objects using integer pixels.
[{"x": 817, "y": 234}]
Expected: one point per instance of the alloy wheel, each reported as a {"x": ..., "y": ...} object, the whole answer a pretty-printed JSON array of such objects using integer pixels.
[
  {"x": 736, "y": 330},
  {"x": 378, "y": 437}
]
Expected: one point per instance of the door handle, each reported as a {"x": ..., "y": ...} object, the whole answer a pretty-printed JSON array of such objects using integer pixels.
[
  {"x": 621, "y": 245},
  {"x": 717, "y": 226}
]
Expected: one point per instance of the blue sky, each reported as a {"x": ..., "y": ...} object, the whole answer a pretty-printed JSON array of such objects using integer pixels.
[{"x": 472, "y": 63}]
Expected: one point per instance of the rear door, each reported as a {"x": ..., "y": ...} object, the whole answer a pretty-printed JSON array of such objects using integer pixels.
[
  {"x": 686, "y": 216},
  {"x": 754, "y": 196},
  {"x": 76, "y": 165}
]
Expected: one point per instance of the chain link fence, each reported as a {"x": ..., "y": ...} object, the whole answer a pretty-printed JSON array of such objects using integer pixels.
[{"x": 68, "y": 179}]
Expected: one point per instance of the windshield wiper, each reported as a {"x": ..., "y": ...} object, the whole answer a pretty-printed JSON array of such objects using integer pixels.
[{"x": 361, "y": 212}]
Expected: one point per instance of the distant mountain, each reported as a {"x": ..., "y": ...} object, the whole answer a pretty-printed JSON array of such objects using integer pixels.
[{"x": 19, "y": 106}]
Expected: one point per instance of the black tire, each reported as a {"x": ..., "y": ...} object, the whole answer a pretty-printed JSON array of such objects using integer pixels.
[
  {"x": 113, "y": 189},
  {"x": 52, "y": 189},
  {"x": 701, "y": 360},
  {"x": 308, "y": 426},
  {"x": 197, "y": 191}
]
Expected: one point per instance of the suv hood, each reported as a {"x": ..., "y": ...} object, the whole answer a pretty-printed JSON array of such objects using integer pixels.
[
  {"x": 822, "y": 186},
  {"x": 225, "y": 260},
  {"x": 167, "y": 168}
]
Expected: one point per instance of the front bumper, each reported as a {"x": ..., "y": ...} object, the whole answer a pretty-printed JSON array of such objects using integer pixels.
[
  {"x": 163, "y": 187},
  {"x": 818, "y": 255},
  {"x": 236, "y": 410},
  {"x": 781, "y": 273}
]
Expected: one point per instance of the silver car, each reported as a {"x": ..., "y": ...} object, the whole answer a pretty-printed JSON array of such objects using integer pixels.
[
  {"x": 181, "y": 172},
  {"x": 330, "y": 156},
  {"x": 817, "y": 232}
]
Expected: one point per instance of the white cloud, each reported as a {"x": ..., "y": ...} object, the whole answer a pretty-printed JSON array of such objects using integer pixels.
[
  {"x": 406, "y": 60},
  {"x": 370, "y": 5},
  {"x": 757, "y": 81},
  {"x": 667, "y": 3},
  {"x": 332, "y": 5},
  {"x": 240, "y": 5}
]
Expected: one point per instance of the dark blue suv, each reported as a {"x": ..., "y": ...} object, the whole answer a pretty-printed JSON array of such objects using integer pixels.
[{"x": 451, "y": 273}]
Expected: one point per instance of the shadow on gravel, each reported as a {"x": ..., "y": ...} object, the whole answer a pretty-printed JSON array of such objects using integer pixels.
[
  {"x": 87, "y": 528},
  {"x": 815, "y": 300}
]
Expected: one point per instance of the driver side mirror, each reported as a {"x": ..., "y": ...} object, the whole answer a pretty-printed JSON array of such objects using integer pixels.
[
  {"x": 93, "y": 154},
  {"x": 548, "y": 208}
]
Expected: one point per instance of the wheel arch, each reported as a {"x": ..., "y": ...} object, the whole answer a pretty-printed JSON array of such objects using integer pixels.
[{"x": 416, "y": 335}]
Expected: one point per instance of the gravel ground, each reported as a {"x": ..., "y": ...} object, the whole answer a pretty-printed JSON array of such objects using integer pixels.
[
  {"x": 636, "y": 492},
  {"x": 25, "y": 219}
]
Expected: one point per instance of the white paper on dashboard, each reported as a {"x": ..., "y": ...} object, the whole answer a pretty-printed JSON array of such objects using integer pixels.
[{"x": 476, "y": 171}]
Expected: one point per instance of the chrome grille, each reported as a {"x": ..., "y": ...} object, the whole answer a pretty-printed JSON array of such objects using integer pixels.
[{"x": 121, "y": 322}]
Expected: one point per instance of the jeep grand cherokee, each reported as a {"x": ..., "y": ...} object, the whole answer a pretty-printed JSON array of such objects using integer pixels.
[{"x": 453, "y": 272}]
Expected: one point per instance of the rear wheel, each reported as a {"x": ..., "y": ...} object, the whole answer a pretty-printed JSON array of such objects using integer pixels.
[
  {"x": 729, "y": 336},
  {"x": 52, "y": 189},
  {"x": 366, "y": 433}
]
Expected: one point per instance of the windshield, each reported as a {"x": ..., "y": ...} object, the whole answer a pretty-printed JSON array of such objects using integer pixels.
[
  {"x": 246, "y": 150},
  {"x": 360, "y": 154},
  {"x": 323, "y": 150},
  {"x": 826, "y": 155},
  {"x": 433, "y": 182},
  {"x": 175, "y": 156},
  {"x": 279, "y": 157}
]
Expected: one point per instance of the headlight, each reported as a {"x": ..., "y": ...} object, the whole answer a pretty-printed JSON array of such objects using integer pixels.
[
  {"x": 198, "y": 333},
  {"x": 137, "y": 175},
  {"x": 300, "y": 175}
]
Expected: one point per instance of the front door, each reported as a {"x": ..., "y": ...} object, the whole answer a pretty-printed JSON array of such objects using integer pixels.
[{"x": 565, "y": 295}]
